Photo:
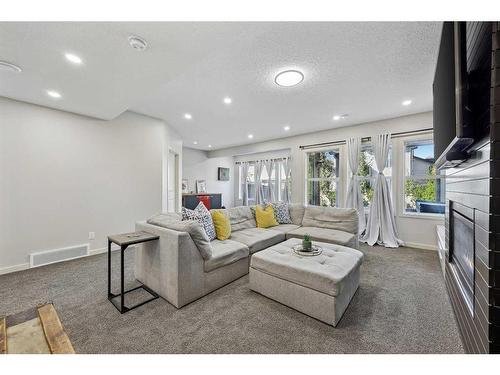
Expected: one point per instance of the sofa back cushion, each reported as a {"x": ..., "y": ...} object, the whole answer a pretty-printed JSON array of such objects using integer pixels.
[
  {"x": 345, "y": 219},
  {"x": 296, "y": 213},
  {"x": 192, "y": 227},
  {"x": 240, "y": 217}
]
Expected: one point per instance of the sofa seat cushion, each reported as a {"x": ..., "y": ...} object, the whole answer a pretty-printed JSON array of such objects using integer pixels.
[
  {"x": 325, "y": 235},
  {"x": 326, "y": 273},
  {"x": 224, "y": 253},
  {"x": 285, "y": 228},
  {"x": 258, "y": 238}
]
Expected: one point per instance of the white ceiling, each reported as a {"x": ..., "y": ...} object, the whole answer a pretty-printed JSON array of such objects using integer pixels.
[{"x": 365, "y": 69}]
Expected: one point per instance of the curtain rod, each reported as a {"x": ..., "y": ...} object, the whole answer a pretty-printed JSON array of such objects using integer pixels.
[
  {"x": 364, "y": 139},
  {"x": 252, "y": 161}
]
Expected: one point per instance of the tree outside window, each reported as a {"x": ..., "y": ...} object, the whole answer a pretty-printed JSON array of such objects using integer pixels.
[{"x": 322, "y": 178}]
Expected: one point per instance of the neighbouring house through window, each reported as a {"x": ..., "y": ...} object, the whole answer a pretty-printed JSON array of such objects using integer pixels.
[{"x": 424, "y": 190}]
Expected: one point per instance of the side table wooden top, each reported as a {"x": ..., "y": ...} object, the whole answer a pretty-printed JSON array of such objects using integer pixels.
[{"x": 125, "y": 239}]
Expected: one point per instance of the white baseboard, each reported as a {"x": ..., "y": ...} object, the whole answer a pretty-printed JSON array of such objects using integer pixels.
[
  {"x": 26, "y": 266},
  {"x": 422, "y": 246},
  {"x": 17, "y": 267}
]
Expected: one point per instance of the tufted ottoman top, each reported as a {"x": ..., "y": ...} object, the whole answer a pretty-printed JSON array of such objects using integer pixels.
[{"x": 325, "y": 273}]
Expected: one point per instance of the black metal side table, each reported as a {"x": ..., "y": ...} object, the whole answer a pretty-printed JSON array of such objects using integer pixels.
[{"x": 125, "y": 240}]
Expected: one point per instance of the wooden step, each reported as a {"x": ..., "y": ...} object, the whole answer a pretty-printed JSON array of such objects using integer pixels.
[
  {"x": 57, "y": 339},
  {"x": 3, "y": 336}
]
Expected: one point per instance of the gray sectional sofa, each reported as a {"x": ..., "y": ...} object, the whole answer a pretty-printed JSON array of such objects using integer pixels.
[{"x": 184, "y": 266}]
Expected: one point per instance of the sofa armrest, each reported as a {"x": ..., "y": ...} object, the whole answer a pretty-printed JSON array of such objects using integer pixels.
[{"x": 171, "y": 266}]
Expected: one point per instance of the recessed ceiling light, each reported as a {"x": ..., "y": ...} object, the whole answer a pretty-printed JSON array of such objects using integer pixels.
[
  {"x": 188, "y": 116},
  {"x": 340, "y": 117},
  {"x": 137, "y": 43},
  {"x": 289, "y": 78},
  {"x": 53, "y": 94},
  {"x": 250, "y": 136},
  {"x": 406, "y": 102},
  {"x": 73, "y": 58},
  {"x": 286, "y": 128},
  {"x": 9, "y": 66},
  {"x": 195, "y": 142},
  {"x": 228, "y": 100},
  {"x": 209, "y": 146}
]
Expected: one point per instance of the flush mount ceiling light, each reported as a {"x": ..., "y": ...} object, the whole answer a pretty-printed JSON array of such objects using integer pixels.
[
  {"x": 9, "y": 66},
  {"x": 336, "y": 117},
  {"x": 188, "y": 116},
  {"x": 195, "y": 142},
  {"x": 250, "y": 136},
  {"x": 53, "y": 94},
  {"x": 406, "y": 102},
  {"x": 228, "y": 100},
  {"x": 286, "y": 128},
  {"x": 137, "y": 43},
  {"x": 289, "y": 78},
  {"x": 209, "y": 146},
  {"x": 73, "y": 58}
]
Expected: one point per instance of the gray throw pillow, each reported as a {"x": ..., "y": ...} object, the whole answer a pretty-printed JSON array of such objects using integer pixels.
[
  {"x": 201, "y": 215},
  {"x": 282, "y": 213}
]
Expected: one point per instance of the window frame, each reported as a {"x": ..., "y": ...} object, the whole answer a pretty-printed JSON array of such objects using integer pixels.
[
  {"x": 337, "y": 180},
  {"x": 416, "y": 139}
]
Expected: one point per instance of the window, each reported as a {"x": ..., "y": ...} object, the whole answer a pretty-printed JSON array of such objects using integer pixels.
[
  {"x": 368, "y": 171},
  {"x": 275, "y": 182},
  {"x": 423, "y": 186},
  {"x": 322, "y": 178}
]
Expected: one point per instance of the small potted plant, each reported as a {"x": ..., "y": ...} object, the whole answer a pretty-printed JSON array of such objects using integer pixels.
[{"x": 306, "y": 243}]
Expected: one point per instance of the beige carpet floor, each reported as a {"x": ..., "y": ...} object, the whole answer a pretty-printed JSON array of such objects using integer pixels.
[{"x": 401, "y": 307}]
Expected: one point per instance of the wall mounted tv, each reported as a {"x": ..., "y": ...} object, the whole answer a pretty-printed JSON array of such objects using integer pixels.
[{"x": 461, "y": 91}]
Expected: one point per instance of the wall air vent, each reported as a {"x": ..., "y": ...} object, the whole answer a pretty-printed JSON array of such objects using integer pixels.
[
  {"x": 4, "y": 65},
  {"x": 43, "y": 258}
]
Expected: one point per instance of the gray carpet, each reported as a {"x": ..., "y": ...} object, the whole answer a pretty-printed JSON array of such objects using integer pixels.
[{"x": 401, "y": 307}]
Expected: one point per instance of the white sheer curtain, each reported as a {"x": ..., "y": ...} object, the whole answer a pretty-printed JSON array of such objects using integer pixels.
[
  {"x": 270, "y": 165},
  {"x": 354, "y": 198},
  {"x": 259, "y": 196},
  {"x": 287, "y": 166},
  {"x": 244, "y": 176},
  {"x": 381, "y": 227}
]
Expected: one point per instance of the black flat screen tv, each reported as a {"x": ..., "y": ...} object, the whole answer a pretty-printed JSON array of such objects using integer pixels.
[{"x": 461, "y": 90}]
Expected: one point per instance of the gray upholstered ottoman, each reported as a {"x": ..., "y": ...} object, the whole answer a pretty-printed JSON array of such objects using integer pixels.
[{"x": 320, "y": 286}]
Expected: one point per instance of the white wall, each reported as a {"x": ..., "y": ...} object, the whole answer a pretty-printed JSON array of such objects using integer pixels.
[
  {"x": 415, "y": 231},
  {"x": 64, "y": 175},
  {"x": 198, "y": 166}
]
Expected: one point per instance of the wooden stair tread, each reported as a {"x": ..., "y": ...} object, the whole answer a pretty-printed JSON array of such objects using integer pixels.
[
  {"x": 3, "y": 336},
  {"x": 57, "y": 339}
]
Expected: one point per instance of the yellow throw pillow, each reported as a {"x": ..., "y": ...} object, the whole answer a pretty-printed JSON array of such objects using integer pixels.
[
  {"x": 265, "y": 218},
  {"x": 222, "y": 225}
]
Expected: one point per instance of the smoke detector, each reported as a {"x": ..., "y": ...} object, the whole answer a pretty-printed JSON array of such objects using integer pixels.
[
  {"x": 8, "y": 66},
  {"x": 137, "y": 43}
]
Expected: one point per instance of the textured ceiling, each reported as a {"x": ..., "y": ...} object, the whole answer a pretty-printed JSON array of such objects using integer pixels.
[{"x": 364, "y": 69}]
